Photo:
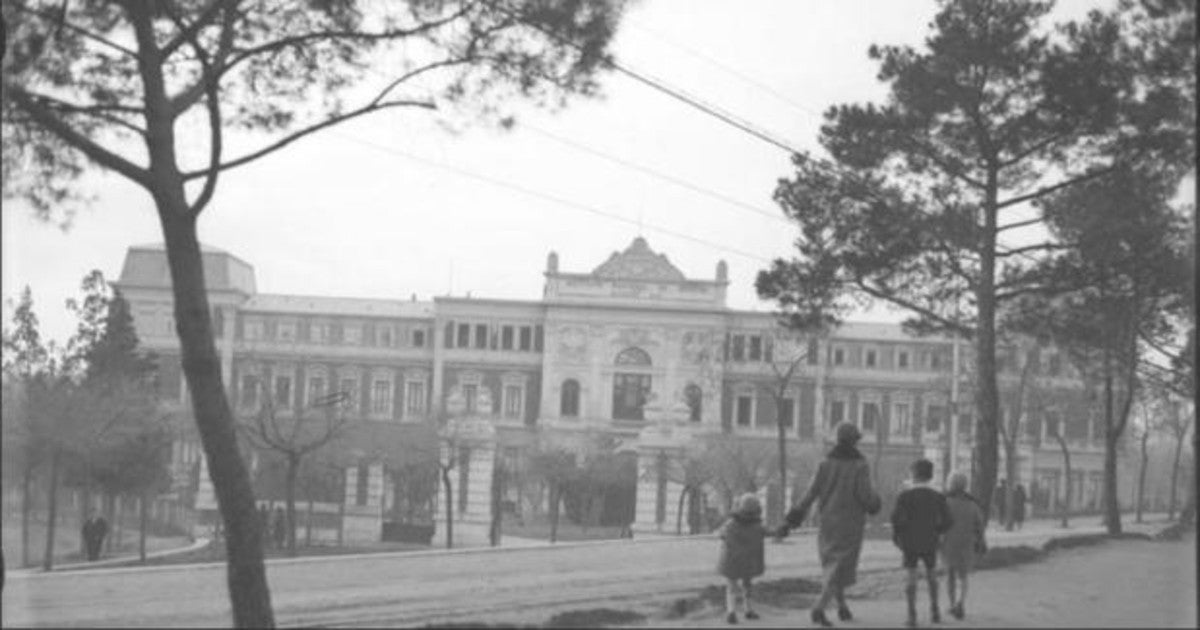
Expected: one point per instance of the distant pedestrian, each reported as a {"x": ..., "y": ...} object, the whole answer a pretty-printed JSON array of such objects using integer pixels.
[
  {"x": 264, "y": 524},
  {"x": 842, "y": 489},
  {"x": 918, "y": 522},
  {"x": 1018, "y": 506},
  {"x": 280, "y": 529},
  {"x": 741, "y": 559},
  {"x": 95, "y": 528},
  {"x": 962, "y": 542},
  {"x": 1001, "y": 502}
]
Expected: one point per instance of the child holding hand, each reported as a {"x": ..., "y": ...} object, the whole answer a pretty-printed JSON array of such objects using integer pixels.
[{"x": 741, "y": 560}]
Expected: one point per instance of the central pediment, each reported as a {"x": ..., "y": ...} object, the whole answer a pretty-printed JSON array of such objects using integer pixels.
[{"x": 638, "y": 262}]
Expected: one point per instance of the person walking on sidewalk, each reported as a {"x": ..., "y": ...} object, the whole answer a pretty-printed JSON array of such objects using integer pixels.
[
  {"x": 1018, "y": 505},
  {"x": 918, "y": 521},
  {"x": 962, "y": 541},
  {"x": 842, "y": 489},
  {"x": 741, "y": 559},
  {"x": 94, "y": 531}
]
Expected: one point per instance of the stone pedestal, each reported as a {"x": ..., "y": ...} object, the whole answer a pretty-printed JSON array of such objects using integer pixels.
[{"x": 660, "y": 448}]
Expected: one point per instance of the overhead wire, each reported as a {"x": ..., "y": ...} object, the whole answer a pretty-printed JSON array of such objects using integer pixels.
[{"x": 549, "y": 197}]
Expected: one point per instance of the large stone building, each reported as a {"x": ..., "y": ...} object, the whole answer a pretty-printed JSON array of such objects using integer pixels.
[{"x": 632, "y": 352}]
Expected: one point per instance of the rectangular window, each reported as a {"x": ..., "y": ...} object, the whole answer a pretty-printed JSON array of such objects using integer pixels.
[
  {"x": 839, "y": 356},
  {"x": 787, "y": 412},
  {"x": 739, "y": 347},
  {"x": 350, "y": 390},
  {"x": 253, "y": 330},
  {"x": 837, "y": 412},
  {"x": 286, "y": 331},
  {"x": 385, "y": 337},
  {"x": 935, "y": 361},
  {"x": 526, "y": 338},
  {"x": 320, "y": 333},
  {"x": 871, "y": 358},
  {"x": 512, "y": 400},
  {"x": 352, "y": 334},
  {"x": 360, "y": 490},
  {"x": 506, "y": 338},
  {"x": 418, "y": 338},
  {"x": 481, "y": 336},
  {"x": 934, "y": 415},
  {"x": 813, "y": 351},
  {"x": 870, "y": 418},
  {"x": 464, "y": 336},
  {"x": 414, "y": 398},
  {"x": 902, "y": 420},
  {"x": 471, "y": 396},
  {"x": 316, "y": 389},
  {"x": 283, "y": 391},
  {"x": 902, "y": 359},
  {"x": 381, "y": 397},
  {"x": 755, "y": 348},
  {"x": 745, "y": 406},
  {"x": 250, "y": 391}
]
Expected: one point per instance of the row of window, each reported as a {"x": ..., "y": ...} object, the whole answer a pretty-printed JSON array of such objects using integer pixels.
[
  {"x": 752, "y": 348},
  {"x": 322, "y": 392},
  {"x": 487, "y": 336},
  {"x": 352, "y": 334}
]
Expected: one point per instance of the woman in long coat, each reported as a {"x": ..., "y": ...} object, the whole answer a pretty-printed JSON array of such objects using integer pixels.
[{"x": 842, "y": 489}]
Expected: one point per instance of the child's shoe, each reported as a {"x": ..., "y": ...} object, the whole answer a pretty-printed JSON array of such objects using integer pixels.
[
  {"x": 731, "y": 617},
  {"x": 818, "y": 617},
  {"x": 844, "y": 613},
  {"x": 750, "y": 614}
]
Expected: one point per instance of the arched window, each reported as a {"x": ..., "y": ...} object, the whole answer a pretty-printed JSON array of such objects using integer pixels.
[
  {"x": 695, "y": 400},
  {"x": 570, "y": 399},
  {"x": 633, "y": 356}
]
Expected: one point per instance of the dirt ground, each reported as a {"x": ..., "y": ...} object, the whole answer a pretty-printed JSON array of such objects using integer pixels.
[{"x": 1116, "y": 584}]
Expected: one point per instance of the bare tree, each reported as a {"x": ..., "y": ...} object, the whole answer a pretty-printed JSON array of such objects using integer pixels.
[
  {"x": 296, "y": 436},
  {"x": 787, "y": 355}
]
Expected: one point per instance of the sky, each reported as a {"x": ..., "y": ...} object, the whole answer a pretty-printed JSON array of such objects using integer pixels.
[{"x": 395, "y": 204}]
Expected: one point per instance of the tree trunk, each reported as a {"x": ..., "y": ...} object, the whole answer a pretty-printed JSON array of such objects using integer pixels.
[
  {"x": 449, "y": 506},
  {"x": 1174, "y": 477},
  {"x": 250, "y": 597},
  {"x": 494, "y": 526},
  {"x": 308, "y": 523},
  {"x": 1066, "y": 506},
  {"x": 1010, "y": 471},
  {"x": 26, "y": 512},
  {"x": 988, "y": 399},
  {"x": 1141, "y": 487},
  {"x": 143, "y": 521},
  {"x": 679, "y": 512},
  {"x": 554, "y": 501},
  {"x": 782, "y": 435},
  {"x": 51, "y": 510},
  {"x": 293, "y": 471}
]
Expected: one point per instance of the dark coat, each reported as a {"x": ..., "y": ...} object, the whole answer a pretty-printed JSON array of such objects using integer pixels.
[
  {"x": 966, "y": 534},
  {"x": 1018, "y": 507},
  {"x": 742, "y": 547},
  {"x": 919, "y": 519},
  {"x": 842, "y": 490}
]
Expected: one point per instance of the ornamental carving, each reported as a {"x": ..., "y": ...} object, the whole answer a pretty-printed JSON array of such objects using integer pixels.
[
  {"x": 572, "y": 344},
  {"x": 638, "y": 262}
]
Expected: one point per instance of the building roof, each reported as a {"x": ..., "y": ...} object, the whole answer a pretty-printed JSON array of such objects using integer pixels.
[
  {"x": 881, "y": 331},
  {"x": 638, "y": 262},
  {"x": 320, "y": 305}
]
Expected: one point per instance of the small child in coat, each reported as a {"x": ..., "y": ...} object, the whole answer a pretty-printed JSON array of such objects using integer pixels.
[
  {"x": 741, "y": 560},
  {"x": 919, "y": 519},
  {"x": 962, "y": 541}
]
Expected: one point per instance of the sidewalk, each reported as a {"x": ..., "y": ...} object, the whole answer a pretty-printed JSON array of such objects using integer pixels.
[{"x": 111, "y": 561}]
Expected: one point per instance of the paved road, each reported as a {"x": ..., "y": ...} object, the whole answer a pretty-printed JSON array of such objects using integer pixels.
[{"x": 415, "y": 588}]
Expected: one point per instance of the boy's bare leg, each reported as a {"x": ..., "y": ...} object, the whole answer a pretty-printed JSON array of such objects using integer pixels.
[
  {"x": 951, "y": 583},
  {"x": 749, "y": 611},
  {"x": 935, "y": 614},
  {"x": 910, "y": 594},
  {"x": 732, "y": 589}
]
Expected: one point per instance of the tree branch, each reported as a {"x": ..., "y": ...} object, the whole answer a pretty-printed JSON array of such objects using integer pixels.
[
  {"x": 1017, "y": 224},
  {"x": 304, "y": 132},
  {"x": 1045, "y": 190},
  {"x": 67, "y": 134},
  {"x": 1034, "y": 148},
  {"x": 210, "y": 75},
  {"x": 60, "y": 22},
  {"x": 212, "y": 105},
  {"x": 97, "y": 111},
  {"x": 1030, "y": 248},
  {"x": 188, "y": 32},
  {"x": 920, "y": 310}
]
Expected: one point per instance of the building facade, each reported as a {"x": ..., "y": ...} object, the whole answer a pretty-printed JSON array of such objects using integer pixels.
[{"x": 633, "y": 353}]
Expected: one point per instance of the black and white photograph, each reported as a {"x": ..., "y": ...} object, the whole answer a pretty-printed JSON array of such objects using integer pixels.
[{"x": 598, "y": 313}]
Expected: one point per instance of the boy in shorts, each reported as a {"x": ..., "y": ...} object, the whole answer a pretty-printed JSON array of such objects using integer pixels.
[{"x": 919, "y": 519}]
